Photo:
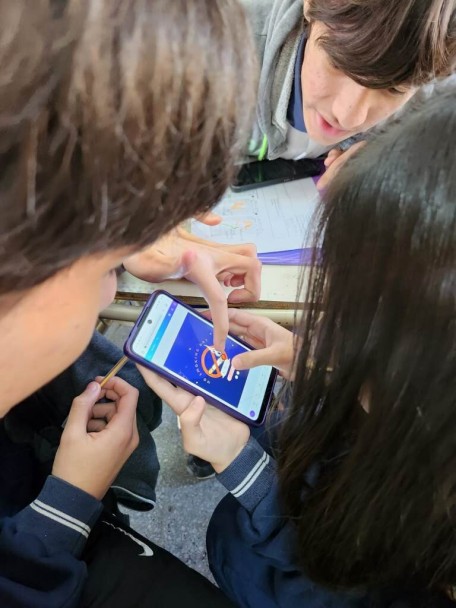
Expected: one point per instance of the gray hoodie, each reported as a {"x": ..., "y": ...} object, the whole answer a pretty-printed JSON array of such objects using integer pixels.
[{"x": 277, "y": 28}]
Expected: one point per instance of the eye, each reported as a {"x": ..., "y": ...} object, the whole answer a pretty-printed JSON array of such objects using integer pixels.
[{"x": 396, "y": 91}]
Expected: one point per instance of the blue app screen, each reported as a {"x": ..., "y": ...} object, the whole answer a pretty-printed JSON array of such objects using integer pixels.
[
  {"x": 193, "y": 357},
  {"x": 180, "y": 342}
]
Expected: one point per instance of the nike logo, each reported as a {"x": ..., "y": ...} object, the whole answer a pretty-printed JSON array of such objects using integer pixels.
[{"x": 147, "y": 551}]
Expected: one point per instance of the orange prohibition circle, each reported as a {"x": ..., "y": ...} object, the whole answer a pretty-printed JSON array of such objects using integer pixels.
[{"x": 214, "y": 370}]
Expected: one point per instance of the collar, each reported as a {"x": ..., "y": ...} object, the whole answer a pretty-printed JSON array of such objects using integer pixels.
[{"x": 295, "y": 115}]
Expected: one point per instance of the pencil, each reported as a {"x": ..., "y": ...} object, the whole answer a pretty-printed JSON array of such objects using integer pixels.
[{"x": 117, "y": 367}]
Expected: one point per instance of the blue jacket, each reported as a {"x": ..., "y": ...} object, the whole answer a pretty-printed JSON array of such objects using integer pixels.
[
  {"x": 269, "y": 541},
  {"x": 44, "y": 521},
  {"x": 41, "y": 542}
]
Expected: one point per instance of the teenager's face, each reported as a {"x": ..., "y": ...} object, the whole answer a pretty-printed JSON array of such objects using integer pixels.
[
  {"x": 49, "y": 326},
  {"x": 335, "y": 106}
]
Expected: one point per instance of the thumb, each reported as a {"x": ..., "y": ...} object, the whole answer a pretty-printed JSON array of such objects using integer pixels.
[
  {"x": 254, "y": 358},
  {"x": 191, "y": 417},
  {"x": 209, "y": 218},
  {"x": 81, "y": 409}
]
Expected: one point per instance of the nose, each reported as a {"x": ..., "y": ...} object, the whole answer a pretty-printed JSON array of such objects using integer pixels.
[{"x": 351, "y": 105}]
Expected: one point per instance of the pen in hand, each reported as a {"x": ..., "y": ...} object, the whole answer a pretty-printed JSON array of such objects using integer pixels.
[
  {"x": 112, "y": 372},
  {"x": 117, "y": 367}
]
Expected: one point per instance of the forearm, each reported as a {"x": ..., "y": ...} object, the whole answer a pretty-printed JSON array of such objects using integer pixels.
[
  {"x": 252, "y": 480},
  {"x": 41, "y": 545}
]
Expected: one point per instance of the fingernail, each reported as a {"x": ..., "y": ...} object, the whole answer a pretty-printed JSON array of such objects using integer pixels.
[
  {"x": 235, "y": 365},
  {"x": 93, "y": 388}
]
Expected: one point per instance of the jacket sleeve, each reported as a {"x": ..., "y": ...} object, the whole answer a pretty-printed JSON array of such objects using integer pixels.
[
  {"x": 41, "y": 545},
  {"x": 252, "y": 480}
]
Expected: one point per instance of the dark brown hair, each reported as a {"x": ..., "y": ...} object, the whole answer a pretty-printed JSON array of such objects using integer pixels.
[
  {"x": 381, "y": 508},
  {"x": 118, "y": 119},
  {"x": 387, "y": 43}
]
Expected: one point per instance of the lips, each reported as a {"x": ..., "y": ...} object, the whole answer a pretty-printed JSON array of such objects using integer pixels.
[{"x": 327, "y": 128}]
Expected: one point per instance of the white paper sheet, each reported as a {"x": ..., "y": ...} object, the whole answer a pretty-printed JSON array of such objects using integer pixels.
[{"x": 275, "y": 218}]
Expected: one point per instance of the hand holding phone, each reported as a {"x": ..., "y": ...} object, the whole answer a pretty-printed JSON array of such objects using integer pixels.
[
  {"x": 207, "y": 432},
  {"x": 175, "y": 341},
  {"x": 207, "y": 264},
  {"x": 273, "y": 344}
]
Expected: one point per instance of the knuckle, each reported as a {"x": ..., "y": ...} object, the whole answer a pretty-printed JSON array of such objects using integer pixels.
[
  {"x": 250, "y": 249},
  {"x": 134, "y": 393},
  {"x": 219, "y": 298},
  {"x": 78, "y": 401},
  {"x": 257, "y": 265},
  {"x": 69, "y": 437},
  {"x": 123, "y": 437}
]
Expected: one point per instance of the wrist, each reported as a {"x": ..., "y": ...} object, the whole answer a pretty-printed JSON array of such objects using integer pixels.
[{"x": 228, "y": 459}]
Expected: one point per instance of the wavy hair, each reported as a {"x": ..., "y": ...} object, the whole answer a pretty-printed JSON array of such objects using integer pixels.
[
  {"x": 118, "y": 120},
  {"x": 386, "y": 43}
]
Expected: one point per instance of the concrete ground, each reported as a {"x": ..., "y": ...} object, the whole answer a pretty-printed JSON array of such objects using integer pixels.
[{"x": 184, "y": 505}]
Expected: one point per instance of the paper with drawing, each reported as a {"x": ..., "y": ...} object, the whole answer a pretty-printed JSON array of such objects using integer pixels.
[{"x": 275, "y": 218}]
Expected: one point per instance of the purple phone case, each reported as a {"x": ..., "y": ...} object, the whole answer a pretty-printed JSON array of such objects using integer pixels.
[{"x": 180, "y": 382}]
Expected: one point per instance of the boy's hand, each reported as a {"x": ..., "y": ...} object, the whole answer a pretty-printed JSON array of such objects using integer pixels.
[
  {"x": 91, "y": 460},
  {"x": 207, "y": 432},
  {"x": 208, "y": 265},
  {"x": 209, "y": 219},
  {"x": 334, "y": 161},
  {"x": 275, "y": 344}
]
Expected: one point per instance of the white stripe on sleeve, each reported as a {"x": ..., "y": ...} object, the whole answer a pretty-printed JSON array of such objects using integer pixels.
[
  {"x": 61, "y": 518},
  {"x": 252, "y": 476}
]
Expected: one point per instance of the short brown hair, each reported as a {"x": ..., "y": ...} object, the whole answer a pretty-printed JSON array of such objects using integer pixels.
[
  {"x": 386, "y": 43},
  {"x": 118, "y": 119}
]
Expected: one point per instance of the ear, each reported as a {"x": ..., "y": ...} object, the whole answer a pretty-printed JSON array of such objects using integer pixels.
[{"x": 306, "y": 10}]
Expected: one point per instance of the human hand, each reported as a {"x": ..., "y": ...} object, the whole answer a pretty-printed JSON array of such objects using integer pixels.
[
  {"x": 207, "y": 432},
  {"x": 334, "y": 161},
  {"x": 275, "y": 344},
  {"x": 209, "y": 219},
  {"x": 92, "y": 451},
  {"x": 209, "y": 265}
]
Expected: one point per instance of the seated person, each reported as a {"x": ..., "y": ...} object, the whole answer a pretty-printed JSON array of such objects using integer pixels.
[
  {"x": 341, "y": 68},
  {"x": 327, "y": 76},
  {"x": 346, "y": 500},
  {"x": 109, "y": 138}
]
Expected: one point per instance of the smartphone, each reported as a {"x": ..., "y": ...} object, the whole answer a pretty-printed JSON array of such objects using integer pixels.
[
  {"x": 175, "y": 341},
  {"x": 268, "y": 172}
]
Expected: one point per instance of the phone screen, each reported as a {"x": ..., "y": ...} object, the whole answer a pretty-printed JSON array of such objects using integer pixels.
[
  {"x": 276, "y": 171},
  {"x": 179, "y": 342}
]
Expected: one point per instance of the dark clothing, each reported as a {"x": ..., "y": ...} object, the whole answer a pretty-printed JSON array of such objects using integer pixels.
[
  {"x": 58, "y": 547},
  {"x": 295, "y": 113},
  {"x": 251, "y": 544},
  {"x": 124, "y": 569},
  {"x": 37, "y": 421}
]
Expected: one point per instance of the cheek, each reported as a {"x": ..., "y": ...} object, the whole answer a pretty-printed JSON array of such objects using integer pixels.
[
  {"x": 108, "y": 289},
  {"x": 387, "y": 106},
  {"x": 315, "y": 85},
  {"x": 51, "y": 333},
  {"x": 318, "y": 77}
]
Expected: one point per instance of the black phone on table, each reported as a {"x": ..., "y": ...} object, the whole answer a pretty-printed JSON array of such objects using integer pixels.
[{"x": 269, "y": 172}]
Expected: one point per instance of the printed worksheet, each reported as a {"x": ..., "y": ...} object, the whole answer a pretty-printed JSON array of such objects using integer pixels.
[{"x": 276, "y": 218}]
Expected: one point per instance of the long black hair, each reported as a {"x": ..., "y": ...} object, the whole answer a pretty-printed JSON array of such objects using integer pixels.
[{"x": 383, "y": 507}]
